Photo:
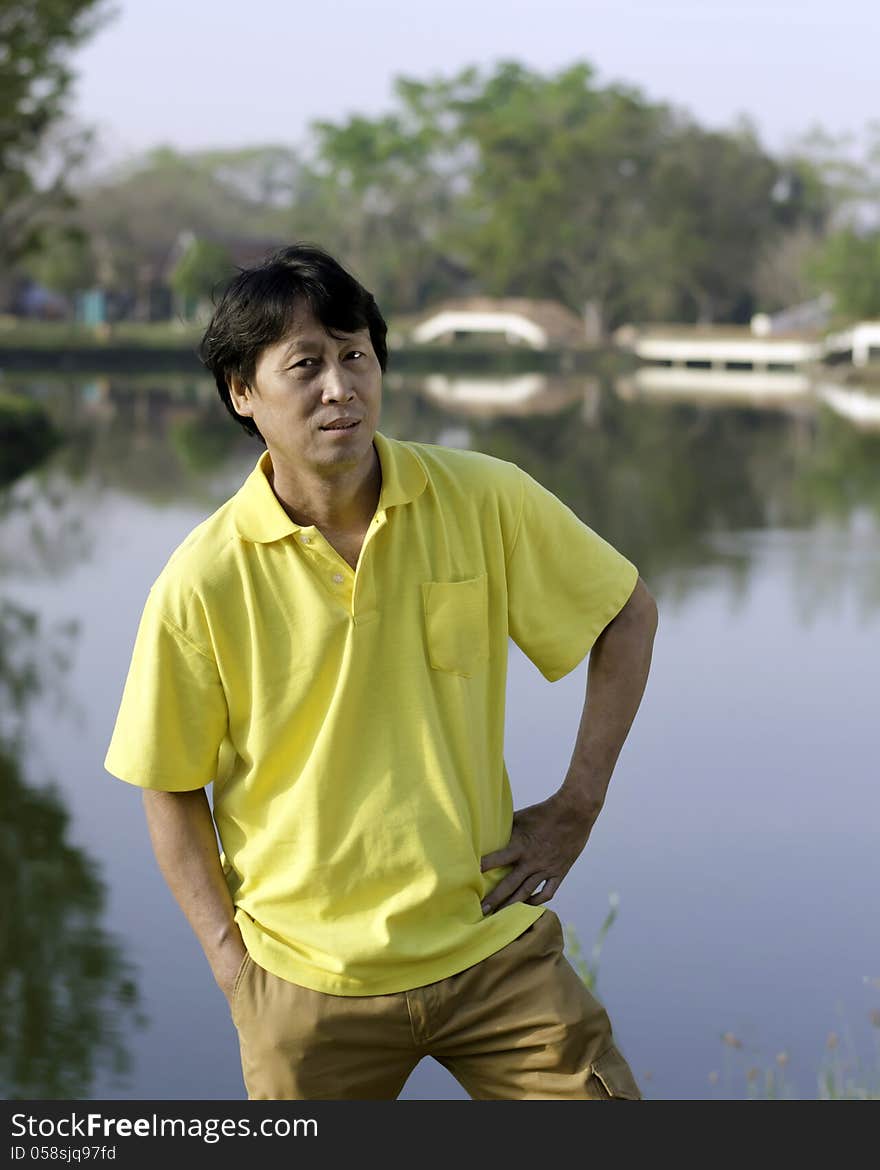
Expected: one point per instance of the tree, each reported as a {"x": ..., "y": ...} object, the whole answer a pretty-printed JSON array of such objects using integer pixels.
[
  {"x": 64, "y": 262},
  {"x": 37, "y": 151},
  {"x": 515, "y": 183},
  {"x": 134, "y": 216},
  {"x": 382, "y": 193},
  {"x": 848, "y": 167},
  {"x": 782, "y": 276},
  {"x": 558, "y": 205},
  {"x": 267, "y": 176},
  {"x": 847, "y": 263},
  {"x": 848, "y": 267},
  {"x": 204, "y": 265},
  {"x": 716, "y": 192}
]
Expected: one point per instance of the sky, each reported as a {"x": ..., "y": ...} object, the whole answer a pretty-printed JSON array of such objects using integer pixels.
[{"x": 204, "y": 73}]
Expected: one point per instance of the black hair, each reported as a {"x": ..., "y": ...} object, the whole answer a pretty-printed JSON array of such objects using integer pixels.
[{"x": 256, "y": 307}]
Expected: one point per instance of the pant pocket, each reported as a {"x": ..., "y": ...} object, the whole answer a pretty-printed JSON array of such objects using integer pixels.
[
  {"x": 240, "y": 974},
  {"x": 611, "y": 1078}
]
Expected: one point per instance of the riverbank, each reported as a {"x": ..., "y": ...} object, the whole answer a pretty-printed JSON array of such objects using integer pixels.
[{"x": 173, "y": 346}]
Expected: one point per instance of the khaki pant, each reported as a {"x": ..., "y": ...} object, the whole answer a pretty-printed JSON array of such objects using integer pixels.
[{"x": 520, "y": 1025}]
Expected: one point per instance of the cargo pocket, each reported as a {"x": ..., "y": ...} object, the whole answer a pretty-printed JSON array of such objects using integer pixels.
[
  {"x": 611, "y": 1079},
  {"x": 457, "y": 624}
]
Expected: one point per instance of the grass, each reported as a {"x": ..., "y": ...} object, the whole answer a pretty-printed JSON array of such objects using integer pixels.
[
  {"x": 588, "y": 966},
  {"x": 18, "y": 334},
  {"x": 34, "y": 341},
  {"x": 842, "y": 1075}
]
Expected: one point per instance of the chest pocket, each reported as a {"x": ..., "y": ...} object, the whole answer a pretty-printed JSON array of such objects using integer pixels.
[{"x": 457, "y": 624}]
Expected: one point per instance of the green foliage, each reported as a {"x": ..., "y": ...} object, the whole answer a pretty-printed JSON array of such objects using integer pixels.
[
  {"x": 503, "y": 181},
  {"x": 203, "y": 266},
  {"x": 382, "y": 193},
  {"x": 588, "y": 968},
  {"x": 26, "y": 435},
  {"x": 848, "y": 266},
  {"x": 714, "y": 194},
  {"x": 515, "y": 183},
  {"x": 38, "y": 37},
  {"x": 53, "y": 337},
  {"x": 203, "y": 441},
  {"x": 265, "y": 175},
  {"x": 123, "y": 228},
  {"x": 843, "y": 1074},
  {"x": 839, "y": 175},
  {"x": 63, "y": 261},
  {"x": 68, "y": 995}
]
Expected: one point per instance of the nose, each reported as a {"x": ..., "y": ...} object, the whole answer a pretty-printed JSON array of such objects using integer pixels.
[{"x": 337, "y": 386}]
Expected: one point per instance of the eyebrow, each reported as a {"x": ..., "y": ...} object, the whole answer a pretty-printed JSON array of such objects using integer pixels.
[{"x": 308, "y": 339}]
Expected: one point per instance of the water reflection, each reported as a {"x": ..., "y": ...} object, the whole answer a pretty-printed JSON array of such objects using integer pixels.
[
  {"x": 515, "y": 395},
  {"x": 857, "y": 406},
  {"x": 769, "y": 499},
  {"x": 26, "y": 435},
  {"x": 68, "y": 998},
  {"x": 67, "y": 995},
  {"x": 659, "y": 464},
  {"x": 722, "y": 387},
  {"x": 657, "y": 480},
  {"x": 45, "y": 519}
]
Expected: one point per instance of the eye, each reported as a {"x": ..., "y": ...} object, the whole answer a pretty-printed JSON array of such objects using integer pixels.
[{"x": 356, "y": 353}]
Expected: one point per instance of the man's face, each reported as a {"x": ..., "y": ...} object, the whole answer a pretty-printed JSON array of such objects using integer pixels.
[{"x": 308, "y": 381}]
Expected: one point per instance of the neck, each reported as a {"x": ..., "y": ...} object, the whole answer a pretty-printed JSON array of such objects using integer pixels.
[{"x": 343, "y": 500}]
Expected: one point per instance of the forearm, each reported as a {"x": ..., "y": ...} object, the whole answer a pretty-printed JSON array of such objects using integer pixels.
[
  {"x": 182, "y": 833},
  {"x": 616, "y": 678}
]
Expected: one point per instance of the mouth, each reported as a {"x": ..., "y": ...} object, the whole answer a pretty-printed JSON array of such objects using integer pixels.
[{"x": 342, "y": 425}]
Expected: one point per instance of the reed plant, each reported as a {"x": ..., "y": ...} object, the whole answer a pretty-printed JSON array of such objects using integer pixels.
[{"x": 844, "y": 1073}]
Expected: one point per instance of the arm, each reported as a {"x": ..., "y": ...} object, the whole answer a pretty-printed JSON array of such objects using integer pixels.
[
  {"x": 184, "y": 842},
  {"x": 548, "y": 838}
]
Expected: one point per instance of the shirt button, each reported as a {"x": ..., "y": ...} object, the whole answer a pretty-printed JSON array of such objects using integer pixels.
[
  {"x": 338, "y": 578},
  {"x": 306, "y": 539}
]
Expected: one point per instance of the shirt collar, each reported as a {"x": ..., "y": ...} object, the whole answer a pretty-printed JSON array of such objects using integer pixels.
[{"x": 260, "y": 518}]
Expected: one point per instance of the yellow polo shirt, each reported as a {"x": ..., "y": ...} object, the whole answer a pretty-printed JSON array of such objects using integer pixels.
[{"x": 352, "y": 722}]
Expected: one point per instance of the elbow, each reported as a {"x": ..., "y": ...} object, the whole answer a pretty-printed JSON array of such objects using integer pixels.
[
  {"x": 640, "y": 612},
  {"x": 652, "y": 613},
  {"x": 643, "y": 600}
]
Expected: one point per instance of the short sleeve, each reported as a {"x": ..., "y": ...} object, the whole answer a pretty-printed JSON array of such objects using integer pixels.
[
  {"x": 172, "y": 719},
  {"x": 564, "y": 582}
]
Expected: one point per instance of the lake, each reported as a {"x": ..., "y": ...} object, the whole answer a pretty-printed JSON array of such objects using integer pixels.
[{"x": 739, "y": 839}]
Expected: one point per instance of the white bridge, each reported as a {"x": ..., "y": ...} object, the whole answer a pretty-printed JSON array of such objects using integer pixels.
[
  {"x": 720, "y": 349},
  {"x": 513, "y": 326},
  {"x": 741, "y": 348}
]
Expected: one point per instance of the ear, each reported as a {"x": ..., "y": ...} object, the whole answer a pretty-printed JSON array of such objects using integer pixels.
[{"x": 241, "y": 395}]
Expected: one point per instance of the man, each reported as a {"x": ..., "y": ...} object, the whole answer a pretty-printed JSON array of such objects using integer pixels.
[{"x": 329, "y": 649}]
